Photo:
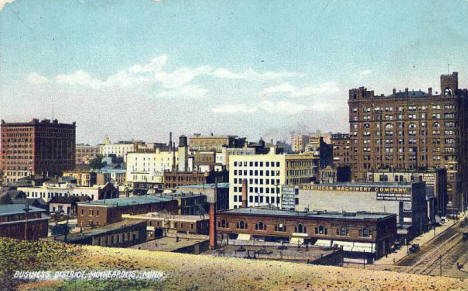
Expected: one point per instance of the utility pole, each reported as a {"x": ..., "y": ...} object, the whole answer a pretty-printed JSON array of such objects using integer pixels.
[
  {"x": 440, "y": 265},
  {"x": 26, "y": 211}
]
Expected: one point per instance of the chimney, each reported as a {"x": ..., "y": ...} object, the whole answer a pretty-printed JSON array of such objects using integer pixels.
[
  {"x": 429, "y": 91},
  {"x": 394, "y": 91},
  {"x": 244, "y": 193},
  {"x": 170, "y": 141},
  {"x": 213, "y": 233},
  {"x": 406, "y": 91}
]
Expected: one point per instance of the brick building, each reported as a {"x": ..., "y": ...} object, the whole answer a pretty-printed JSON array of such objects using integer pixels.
[
  {"x": 16, "y": 219},
  {"x": 358, "y": 233},
  {"x": 413, "y": 130},
  {"x": 103, "y": 212},
  {"x": 173, "y": 179},
  {"x": 120, "y": 234},
  {"x": 83, "y": 178},
  {"x": 341, "y": 149},
  {"x": 197, "y": 142},
  {"x": 84, "y": 153},
  {"x": 37, "y": 147}
]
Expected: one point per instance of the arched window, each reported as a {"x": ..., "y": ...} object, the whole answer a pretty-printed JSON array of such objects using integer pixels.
[
  {"x": 436, "y": 124},
  {"x": 223, "y": 223},
  {"x": 412, "y": 125},
  {"x": 448, "y": 91},
  {"x": 365, "y": 232},
  {"x": 300, "y": 228},
  {"x": 260, "y": 226},
  {"x": 388, "y": 126},
  {"x": 242, "y": 225}
]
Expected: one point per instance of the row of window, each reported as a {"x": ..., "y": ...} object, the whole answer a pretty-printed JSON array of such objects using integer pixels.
[{"x": 256, "y": 164}]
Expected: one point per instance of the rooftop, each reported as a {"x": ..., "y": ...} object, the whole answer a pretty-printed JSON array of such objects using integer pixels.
[
  {"x": 367, "y": 184},
  {"x": 102, "y": 230},
  {"x": 316, "y": 214},
  {"x": 206, "y": 186},
  {"x": 137, "y": 200},
  {"x": 12, "y": 209}
]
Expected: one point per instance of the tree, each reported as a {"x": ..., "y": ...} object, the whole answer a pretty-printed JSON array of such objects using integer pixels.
[{"x": 97, "y": 163}]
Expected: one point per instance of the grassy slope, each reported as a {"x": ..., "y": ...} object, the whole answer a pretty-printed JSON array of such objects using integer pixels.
[{"x": 210, "y": 273}]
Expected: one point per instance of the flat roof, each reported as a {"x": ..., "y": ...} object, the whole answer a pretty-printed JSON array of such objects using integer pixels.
[
  {"x": 311, "y": 214},
  {"x": 203, "y": 186},
  {"x": 171, "y": 217},
  {"x": 367, "y": 184},
  {"x": 103, "y": 229},
  {"x": 12, "y": 209},
  {"x": 138, "y": 200}
]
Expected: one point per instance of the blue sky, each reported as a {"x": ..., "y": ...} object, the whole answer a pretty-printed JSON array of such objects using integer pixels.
[{"x": 141, "y": 68}]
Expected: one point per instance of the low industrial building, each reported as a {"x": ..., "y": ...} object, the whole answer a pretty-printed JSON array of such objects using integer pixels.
[
  {"x": 120, "y": 234},
  {"x": 50, "y": 190},
  {"x": 65, "y": 205},
  {"x": 20, "y": 221},
  {"x": 103, "y": 212},
  {"x": 362, "y": 235},
  {"x": 406, "y": 200},
  {"x": 159, "y": 224}
]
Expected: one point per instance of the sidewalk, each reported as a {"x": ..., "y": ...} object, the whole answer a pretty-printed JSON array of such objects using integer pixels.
[{"x": 392, "y": 258}]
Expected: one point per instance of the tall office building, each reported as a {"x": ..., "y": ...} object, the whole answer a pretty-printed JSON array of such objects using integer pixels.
[
  {"x": 413, "y": 130},
  {"x": 37, "y": 148}
]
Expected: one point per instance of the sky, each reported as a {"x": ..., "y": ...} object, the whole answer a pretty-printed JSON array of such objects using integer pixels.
[{"x": 138, "y": 69}]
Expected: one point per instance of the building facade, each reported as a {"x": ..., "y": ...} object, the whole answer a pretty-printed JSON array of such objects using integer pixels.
[
  {"x": 299, "y": 142},
  {"x": 37, "y": 148},
  {"x": 361, "y": 234},
  {"x": 406, "y": 200},
  {"x": 413, "y": 130},
  {"x": 83, "y": 178},
  {"x": 264, "y": 176},
  {"x": 47, "y": 191},
  {"x": 19, "y": 221},
  {"x": 84, "y": 153},
  {"x": 172, "y": 179},
  {"x": 341, "y": 149}
]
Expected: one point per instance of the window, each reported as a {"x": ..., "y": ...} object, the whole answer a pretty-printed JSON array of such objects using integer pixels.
[
  {"x": 343, "y": 231},
  {"x": 321, "y": 230},
  {"x": 280, "y": 227},
  {"x": 242, "y": 225},
  {"x": 300, "y": 228},
  {"x": 260, "y": 226},
  {"x": 365, "y": 232}
]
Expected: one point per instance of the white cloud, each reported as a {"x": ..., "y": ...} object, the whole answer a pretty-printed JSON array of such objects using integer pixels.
[
  {"x": 155, "y": 65},
  {"x": 325, "y": 88},
  {"x": 80, "y": 78},
  {"x": 250, "y": 74},
  {"x": 37, "y": 79},
  {"x": 189, "y": 91},
  {"x": 286, "y": 87},
  {"x": 367, "y": 72},
  {"x": 3, "y": 2},
  {"x": 180, "y": 77}
]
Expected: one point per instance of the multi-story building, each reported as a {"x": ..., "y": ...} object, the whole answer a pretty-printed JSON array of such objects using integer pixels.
[
  {"x": 50, "y": 190},
  {"x": 262, "y": 176},
  {"x": 413, "y": 130},
  {"x": 215, "y": 143},
  {"x": 114, "y": 176},
  {"x": 436, "y": 185},
  {"x": 406, "y": 200},
  {"x": 362, "y": 235},
  {"x": 119, "y": 149},
  {"x": 37, "y": 148},
  {"x": 84, "y": 153},
  {"x": 146, "y": 170},
  {"x": 83, "y": 178},
  {"x": 341, "y": 149},
  {"x": 321, "y": 150},
  {"x": 173, "y": 179},
  {"x": 20, "y": 221},
  {"x": 298, "y": 142}
]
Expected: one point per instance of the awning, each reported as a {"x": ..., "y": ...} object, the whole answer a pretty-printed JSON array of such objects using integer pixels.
[
  {"x": 347, "y": 246},
  {"x": 364, "y": 247},
  {"x": 243, "y": 236},
  {"x": 323, "y": 243},
  {"x": 296, "y": 240}
]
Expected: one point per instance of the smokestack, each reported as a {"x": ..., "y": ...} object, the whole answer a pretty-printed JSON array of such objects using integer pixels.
[
  {"x": 394, "y": 91},
  {"x": 429, "y": 91},
  {"x": 213, "y": 233},
  {"x": 244, "y": 193},
  {"x": 170, "y": 141}
]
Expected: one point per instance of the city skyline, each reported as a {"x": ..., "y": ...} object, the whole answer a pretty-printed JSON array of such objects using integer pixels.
[{"x": 232, "y": 68}]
